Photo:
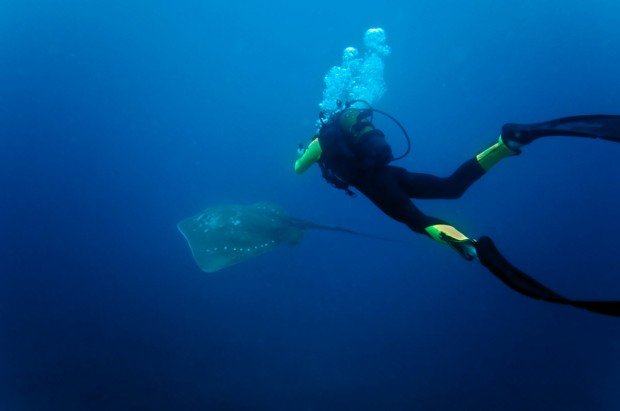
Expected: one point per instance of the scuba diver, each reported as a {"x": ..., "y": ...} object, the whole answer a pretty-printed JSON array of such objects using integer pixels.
[{"x": 351, "y": 152}]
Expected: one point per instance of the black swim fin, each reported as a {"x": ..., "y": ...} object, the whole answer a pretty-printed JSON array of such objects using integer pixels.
[
  {"x": 603, "y": 126},
  {"x": 516, "y": 279}
]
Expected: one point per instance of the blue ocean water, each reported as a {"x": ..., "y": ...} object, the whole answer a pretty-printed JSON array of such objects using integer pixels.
[{"x": 118, "y": 119}]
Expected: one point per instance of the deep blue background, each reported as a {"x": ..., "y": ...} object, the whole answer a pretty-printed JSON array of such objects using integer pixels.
[{"x": 118, "y": 119}]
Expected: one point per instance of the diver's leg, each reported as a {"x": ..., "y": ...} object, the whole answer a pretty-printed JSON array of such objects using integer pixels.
[
  {"x": 426, "y": 186},
  {"x": 509, "y": 143},
  {"x": 384, "y": 190}
]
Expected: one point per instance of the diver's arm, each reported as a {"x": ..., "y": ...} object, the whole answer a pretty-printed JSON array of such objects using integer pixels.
[
  {"x": 310, "y": 156},
  {"x": 446, "y": 234}
]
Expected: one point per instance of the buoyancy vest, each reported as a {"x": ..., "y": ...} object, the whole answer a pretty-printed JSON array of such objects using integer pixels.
[{"x": 351, "y": 147}]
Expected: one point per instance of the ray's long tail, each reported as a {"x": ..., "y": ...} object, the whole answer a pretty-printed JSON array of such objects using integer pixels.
[{"x": 311, "y": 225}]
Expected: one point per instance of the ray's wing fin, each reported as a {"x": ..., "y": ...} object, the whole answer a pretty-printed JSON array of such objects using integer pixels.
[{"x": 223, "y": 236}]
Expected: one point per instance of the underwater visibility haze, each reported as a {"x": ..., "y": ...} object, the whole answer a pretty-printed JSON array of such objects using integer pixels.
[{"x": 148, "y": 154}]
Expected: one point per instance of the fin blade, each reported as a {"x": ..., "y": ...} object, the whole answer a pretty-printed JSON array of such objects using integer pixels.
[{"x": 516, "y": 279}]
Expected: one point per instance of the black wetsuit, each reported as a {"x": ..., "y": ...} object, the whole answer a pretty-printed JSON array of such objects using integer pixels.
[{"x": 391, "y": 189}]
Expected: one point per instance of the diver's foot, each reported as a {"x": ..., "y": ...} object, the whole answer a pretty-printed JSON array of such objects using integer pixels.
[
  {"x": 466, "y": 248},
  {"x": 470, "y": 252},
  {"x": 514, "y": 138}
]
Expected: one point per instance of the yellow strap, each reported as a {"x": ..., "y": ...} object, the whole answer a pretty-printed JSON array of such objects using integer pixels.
[
  {"x": 494, "y": 154},
  {"x": 438, "y": 230},
  {"x": 310, "y": 156}
]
